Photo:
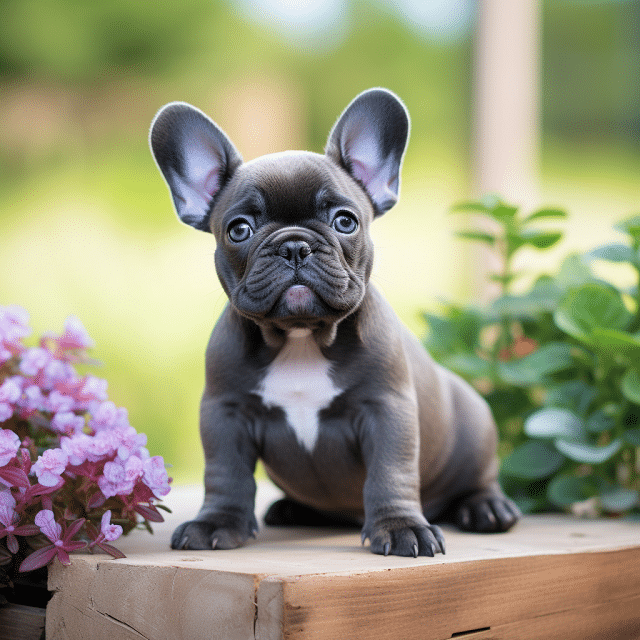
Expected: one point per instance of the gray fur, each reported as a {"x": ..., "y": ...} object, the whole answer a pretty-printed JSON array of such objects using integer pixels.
[{"x": 400, "y": 438}]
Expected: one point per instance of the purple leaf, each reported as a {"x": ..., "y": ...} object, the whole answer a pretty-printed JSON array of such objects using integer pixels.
[
  {"x": 111, "y": 550},
  {"x": 38, "y": 558},
  {"x": 149, "y": 513},
  {"x": 15, "y": 477},
  {"x": 27, "y": 530},
  {"x": 73, "y": 528},
  {"x": 12, "y": 544}
]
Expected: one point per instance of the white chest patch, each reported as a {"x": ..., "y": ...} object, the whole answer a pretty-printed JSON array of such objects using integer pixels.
[{"x": 298, "y": 381}]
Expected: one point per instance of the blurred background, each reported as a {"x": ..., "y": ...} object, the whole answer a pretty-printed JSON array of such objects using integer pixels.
[{"x": 539, "y": 101}]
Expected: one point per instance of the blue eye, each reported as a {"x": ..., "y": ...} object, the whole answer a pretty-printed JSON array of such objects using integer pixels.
[
  {"x": 345, "y": 222},
  {"x": 239, "y": 231}
]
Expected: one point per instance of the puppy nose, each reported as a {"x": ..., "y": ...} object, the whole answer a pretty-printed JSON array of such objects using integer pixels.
[{"x": 294, "y": 251}]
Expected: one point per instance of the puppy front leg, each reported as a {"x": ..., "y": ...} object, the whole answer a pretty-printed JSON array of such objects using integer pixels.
[
  {"x": 226, "y": 519},
  {"x": 394, "y": 522}
]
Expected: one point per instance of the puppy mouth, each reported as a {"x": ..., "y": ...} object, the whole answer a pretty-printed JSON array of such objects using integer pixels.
[{"x": 300, "y": 300}]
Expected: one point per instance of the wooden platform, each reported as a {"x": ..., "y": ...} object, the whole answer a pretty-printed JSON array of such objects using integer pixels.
[{"x": 551, "y": 577}]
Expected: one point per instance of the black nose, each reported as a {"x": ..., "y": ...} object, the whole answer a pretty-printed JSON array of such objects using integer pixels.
[{"x": 294, "y": 251}]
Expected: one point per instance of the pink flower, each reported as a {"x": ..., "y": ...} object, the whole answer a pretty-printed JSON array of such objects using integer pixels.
[
  {"x": 50, "y": 466},
  {"x": 94, "y": 389},
  {"x": 48, "y": 525},
  {"x": 57, "y": 401},
  {"x": 67, "y": 422},
  {"x": 14, "y": 327},
  {"x": 34, "y": 360},
  {"x": 110, "y": 532},
  {"x": 103, "y": 445},
  {"x": 62, "y": 541},
  {"x": 76, "y": 447},
  {"x": 32, "y": 400},
  {"x": 130, "y": 442},
  {"x": 9, "y": 445},
  {"x": 74, "y": 338},
  {"x": 6, "y": 411},
  {"x": 9, "y": 519},
  {"x": 56, "y": 371},
  {"x": 106, "y": 416},
  {"x": 155, "y": 476},
  {"x": 11, "y": 390},
  {"x": 115, "y": 480}
]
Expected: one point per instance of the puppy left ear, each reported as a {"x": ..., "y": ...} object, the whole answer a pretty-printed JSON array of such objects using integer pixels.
[
  {"x": 195, "y": 157},
  {"x": 369, "y": 140}
]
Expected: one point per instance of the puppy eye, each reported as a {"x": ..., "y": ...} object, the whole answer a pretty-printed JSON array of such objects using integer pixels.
[
  {"x": 239, "y": 231},
  {"x": 345, "y": 222}
]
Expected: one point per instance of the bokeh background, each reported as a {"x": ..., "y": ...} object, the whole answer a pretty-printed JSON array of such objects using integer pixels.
[{"x": 86, "y": 222}]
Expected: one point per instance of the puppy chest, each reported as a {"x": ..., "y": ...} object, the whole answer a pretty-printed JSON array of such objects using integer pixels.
[{"x": 299, "y": 382}]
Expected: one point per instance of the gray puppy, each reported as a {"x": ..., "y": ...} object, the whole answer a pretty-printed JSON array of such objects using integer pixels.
[{"x": 308, "y": 368}]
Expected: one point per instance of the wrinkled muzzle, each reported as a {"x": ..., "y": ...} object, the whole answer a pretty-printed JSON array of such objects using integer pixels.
[{"x": 295, "y": 277}]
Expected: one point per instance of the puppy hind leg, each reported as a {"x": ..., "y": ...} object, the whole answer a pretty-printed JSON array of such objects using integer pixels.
[
  {"x": 485, "y": 511},
  {"x": 290, "y": 513}
]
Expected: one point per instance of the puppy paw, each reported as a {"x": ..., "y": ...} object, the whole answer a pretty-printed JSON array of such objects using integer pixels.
[
  {"x": 487, "y": 512},
  {"x": 211, "y": 534},
  {"x": 404, "y": 537}
]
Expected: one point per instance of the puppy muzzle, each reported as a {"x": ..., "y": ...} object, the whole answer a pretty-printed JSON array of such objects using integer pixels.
[{"x": 297, "y": 277}]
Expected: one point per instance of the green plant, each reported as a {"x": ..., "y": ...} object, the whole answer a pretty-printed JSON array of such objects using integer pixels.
[{"x": 558, "y": 364}]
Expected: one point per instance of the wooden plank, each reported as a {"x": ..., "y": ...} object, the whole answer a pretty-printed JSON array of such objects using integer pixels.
[
  {"x": 448, "y": 599},
  {"x": 117, "y": 601},
  {"x": 550, "y": 573},
  {"x": 20, "y": 622}
]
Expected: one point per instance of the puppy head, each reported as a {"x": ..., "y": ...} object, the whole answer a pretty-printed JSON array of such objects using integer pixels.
[{"x": 292, "y": 229}]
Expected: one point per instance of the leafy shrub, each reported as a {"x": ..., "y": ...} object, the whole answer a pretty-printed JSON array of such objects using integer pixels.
[{"x": 559, "y": 365}]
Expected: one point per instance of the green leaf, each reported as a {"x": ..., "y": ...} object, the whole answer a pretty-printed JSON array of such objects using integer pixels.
[
  {"x": 503, "y": 213},
  {"x": 630, "y": 385},
  {"x": 478, "y": 236},
  {"x": 588, "y": 453},
  {"x": 618, "y": 343},
  {"x": 630, "y": 225},
  {"x": 599, "y": 421},
  {"x": 554, "y": 423},
  {"x": 543, "y": 297},
  {"x": 572, "y": 394},
  {"x": 470, "y": 207},
  {"x": 565, "y": 490},
  {"x": 468, "y": 365},
  {"x": 611, "y": 252},
  {"x": 618, "y": 499},
  {"x": 551, "y": 357},
  {"x": 540, "y": 239},
  {"x": 532, "y": 460},
  {"x": 574, "y": 272},
  {"x": 591, "y": 306},
  {"x": 545, "y": 214},
  {"x": 632, "y": 436}
]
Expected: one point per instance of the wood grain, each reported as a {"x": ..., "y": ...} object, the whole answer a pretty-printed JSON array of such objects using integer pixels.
[{"x": 550, "y": 577}]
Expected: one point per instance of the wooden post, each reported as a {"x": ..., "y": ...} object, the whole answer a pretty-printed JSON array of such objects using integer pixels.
[{"x": 506, "y": 119}]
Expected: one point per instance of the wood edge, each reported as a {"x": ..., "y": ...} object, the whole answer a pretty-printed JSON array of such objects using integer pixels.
[{"x": 269, "y": 623}]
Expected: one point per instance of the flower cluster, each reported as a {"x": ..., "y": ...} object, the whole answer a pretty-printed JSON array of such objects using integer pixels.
[{"x": 73, "y": 471}]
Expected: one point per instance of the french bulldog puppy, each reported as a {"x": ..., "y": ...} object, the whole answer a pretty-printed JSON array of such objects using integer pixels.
[{"x": 308, "y": 368}]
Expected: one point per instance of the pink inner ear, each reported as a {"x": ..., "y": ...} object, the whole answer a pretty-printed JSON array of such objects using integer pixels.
[
  {"x": 361, "y": 172},
  {"x": 210, "y": 185}
]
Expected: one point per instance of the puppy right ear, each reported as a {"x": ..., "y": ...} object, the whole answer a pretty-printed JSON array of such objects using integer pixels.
[{"x": 195, "y": 157}]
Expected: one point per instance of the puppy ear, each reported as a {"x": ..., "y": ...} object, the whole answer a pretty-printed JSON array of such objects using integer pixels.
[
  {"x": 369, "y": 140},
  {"x": 195, "y": 157}
]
